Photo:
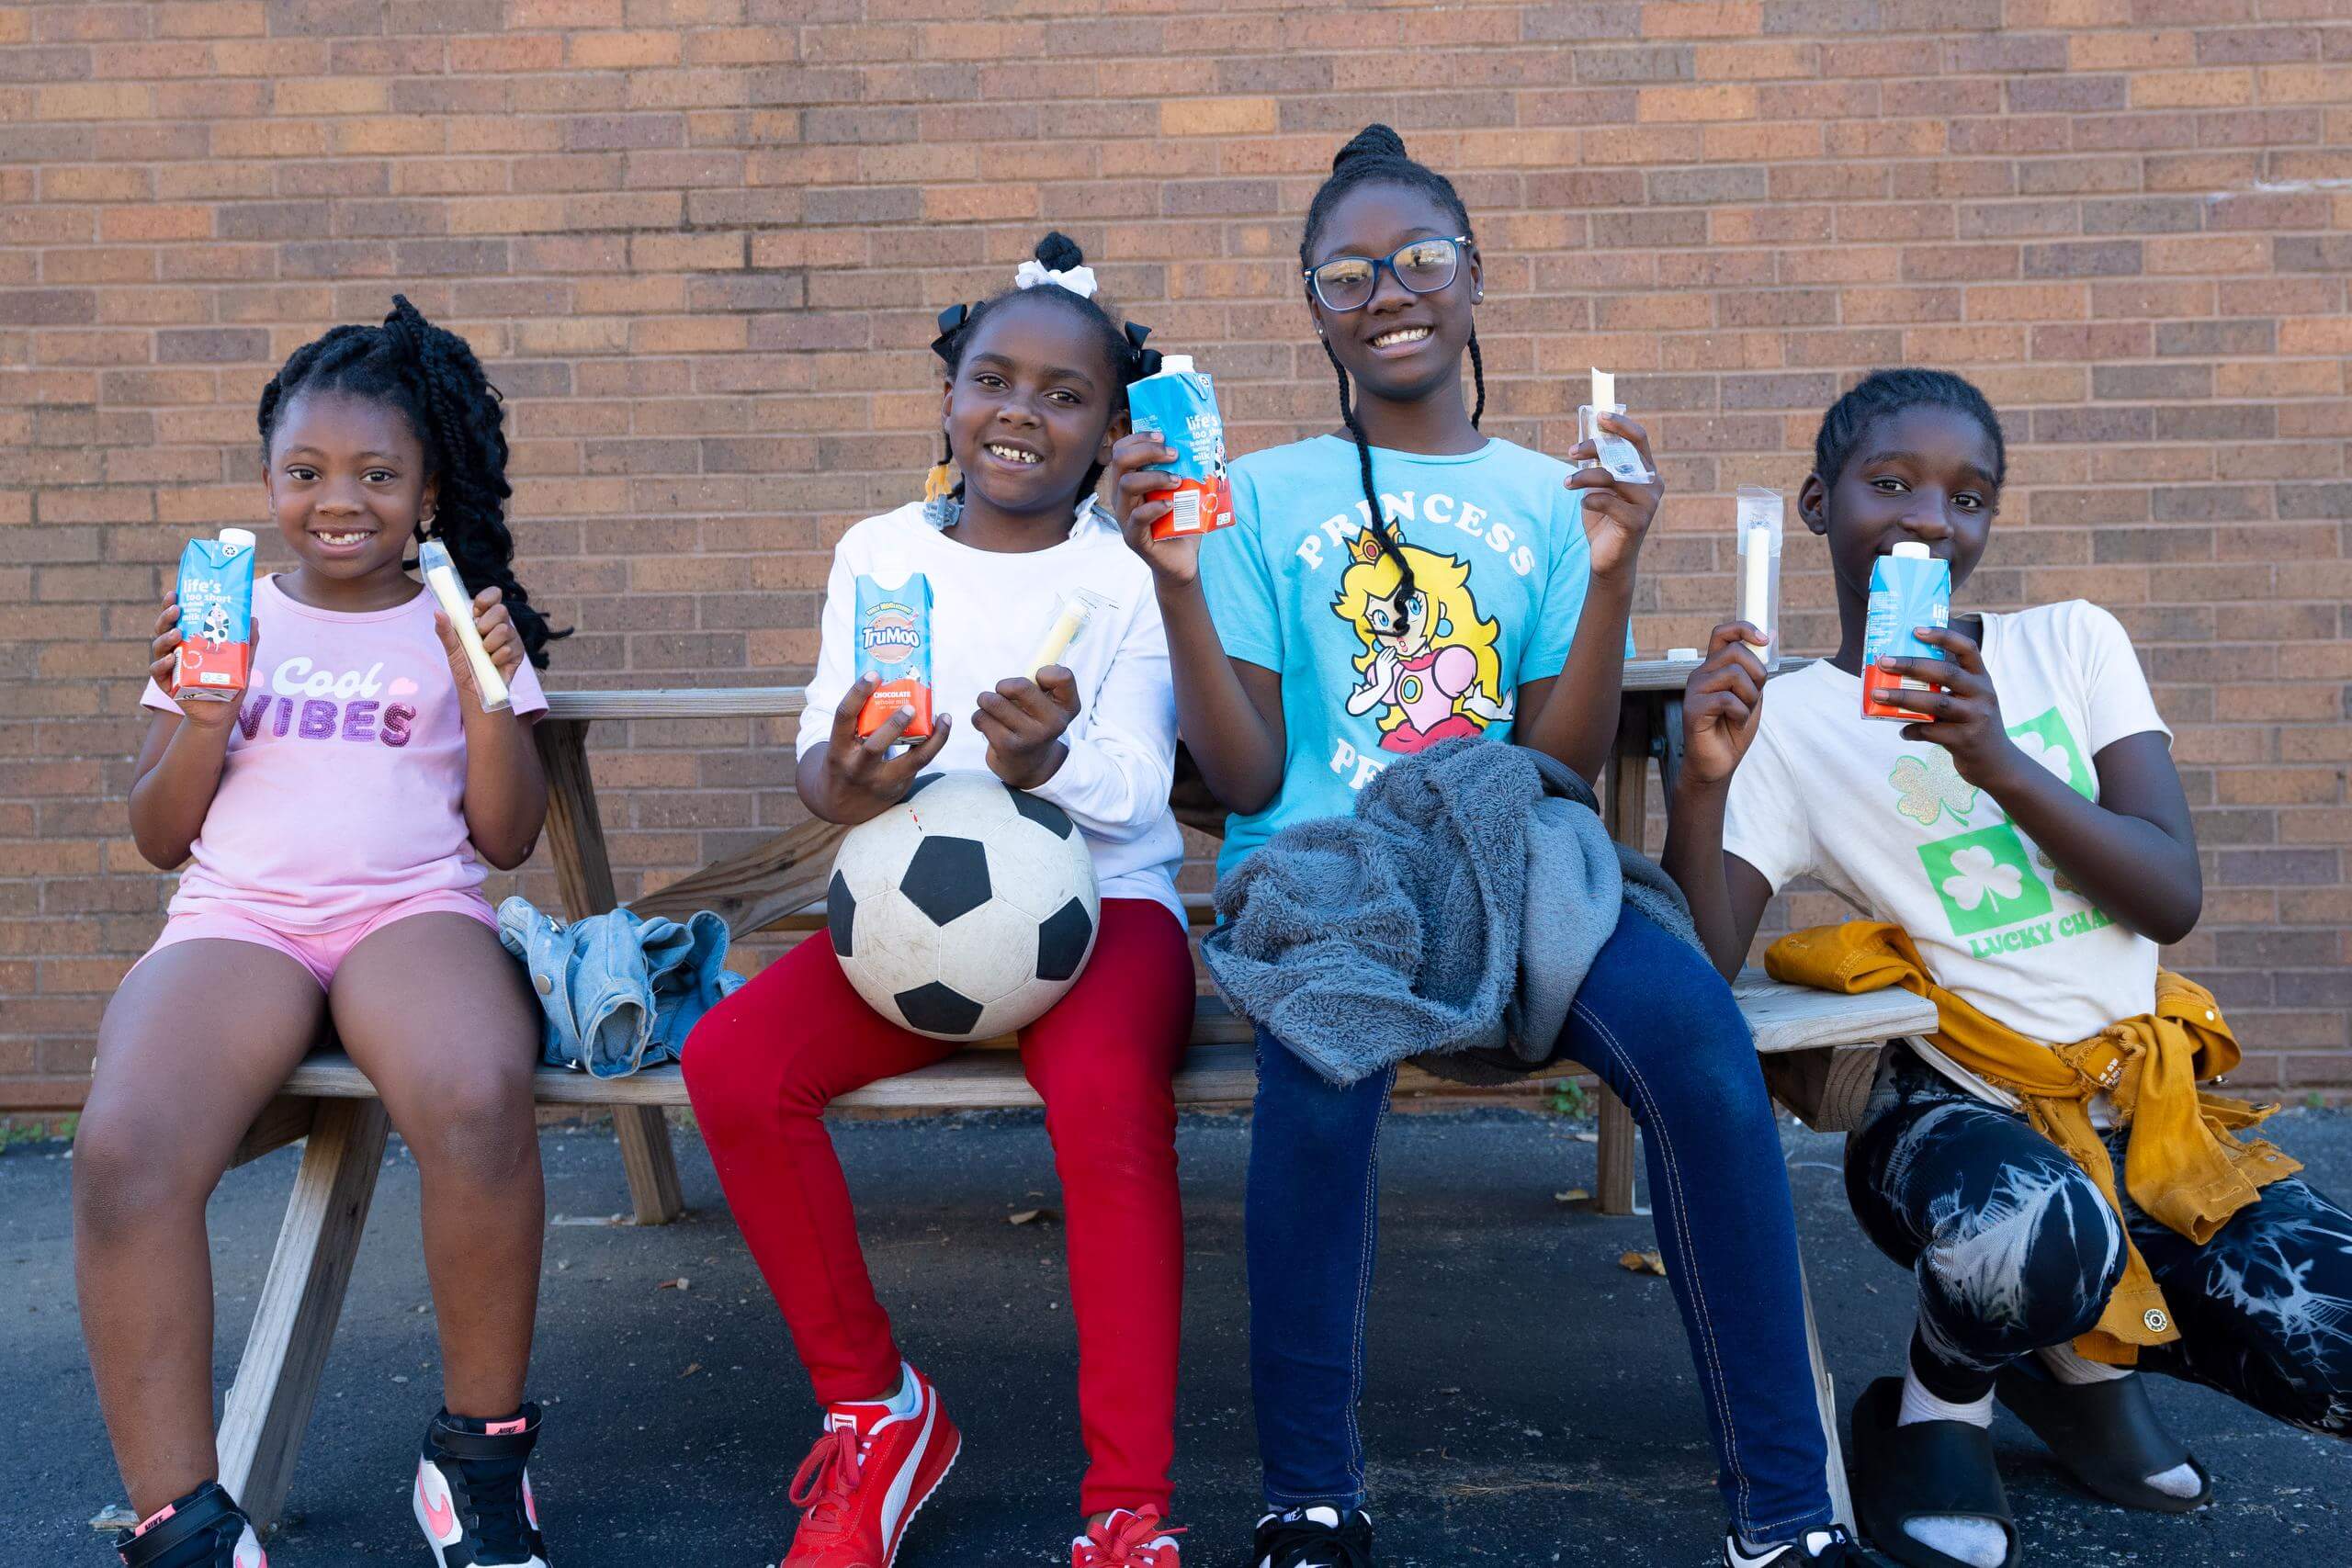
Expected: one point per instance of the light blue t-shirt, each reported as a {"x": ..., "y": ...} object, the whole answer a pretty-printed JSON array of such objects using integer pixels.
[{"x": 1498, "y": 547}]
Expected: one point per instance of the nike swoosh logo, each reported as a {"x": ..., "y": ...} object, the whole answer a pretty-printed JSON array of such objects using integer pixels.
[
  {"x": 1735, "y": 1558},
  {"x": 440, "y": 1513}
]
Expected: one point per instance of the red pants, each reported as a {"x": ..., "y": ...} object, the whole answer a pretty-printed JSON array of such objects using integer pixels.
[{"x": 762, "y": 1066}]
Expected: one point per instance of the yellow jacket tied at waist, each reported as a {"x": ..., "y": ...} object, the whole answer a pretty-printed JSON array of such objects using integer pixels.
[{"x": 2183, "y": 1163}]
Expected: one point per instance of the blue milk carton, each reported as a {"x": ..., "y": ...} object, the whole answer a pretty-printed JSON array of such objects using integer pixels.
[
  {"x": 216, "y": 601},
  {"x": 1179, "y": 405},
  {"x": 1908, "y": 588}
]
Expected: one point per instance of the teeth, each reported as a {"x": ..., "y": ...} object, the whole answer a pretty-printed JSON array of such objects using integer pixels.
[
  {"x": 1402, "y": 334},
  {"x": 341, "y": 539},
  {"x": 1013, "y": 454}
]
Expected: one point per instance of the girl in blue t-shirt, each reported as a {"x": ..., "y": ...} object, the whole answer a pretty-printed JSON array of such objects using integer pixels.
[{"x": 1404, "y": 585}]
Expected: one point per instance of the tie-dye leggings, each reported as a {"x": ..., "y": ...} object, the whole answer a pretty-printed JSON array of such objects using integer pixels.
[{"x": 2014, "y": 1250}]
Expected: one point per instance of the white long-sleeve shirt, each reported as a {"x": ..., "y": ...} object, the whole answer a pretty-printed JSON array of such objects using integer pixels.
[{"x": 988, "y": 611}]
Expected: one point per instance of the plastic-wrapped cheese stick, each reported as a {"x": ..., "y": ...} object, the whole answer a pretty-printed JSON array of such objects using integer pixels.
[
  {"x": 1612, "y": 452},
  {"x": 441, "y": 577},
  {"x": 1076, "y": 610}
]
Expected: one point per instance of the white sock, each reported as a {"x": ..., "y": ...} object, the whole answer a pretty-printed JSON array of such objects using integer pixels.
[
  {"x": 1919, "y": 1404},
  {"x": 1978, "y": 1542},
  {"x": 2070, "y": 1366},
  {"x": 908, "y": 1399},
  {"x": 1963, "y": 1538}
]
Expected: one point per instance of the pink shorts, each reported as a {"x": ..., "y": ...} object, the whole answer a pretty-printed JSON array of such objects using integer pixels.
[{"x": 321, "y": 953}]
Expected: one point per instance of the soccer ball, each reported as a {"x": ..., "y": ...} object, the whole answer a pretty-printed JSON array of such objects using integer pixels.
[{"x": 966, "y": 910}]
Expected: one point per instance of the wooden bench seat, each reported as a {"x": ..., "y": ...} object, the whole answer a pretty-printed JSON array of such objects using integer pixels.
[
  {"x": 328, "y": 1105},
  {"x": 1217, "y": 1070}
]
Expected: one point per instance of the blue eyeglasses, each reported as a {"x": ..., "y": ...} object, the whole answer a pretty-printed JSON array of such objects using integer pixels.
[{"x": 1423, "y": 267}]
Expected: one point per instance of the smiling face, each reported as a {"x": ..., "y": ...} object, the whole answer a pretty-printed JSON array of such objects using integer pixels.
[
  {"x": 1923, "y": 473},
  {"x": 347, "y": 483},
  {"x": 1400, "y": 347},
  {"x": 1032, "y": 405}
]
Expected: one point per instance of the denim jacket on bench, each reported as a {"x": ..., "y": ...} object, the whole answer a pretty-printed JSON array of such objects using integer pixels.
[{"x": 618, "y": 991}]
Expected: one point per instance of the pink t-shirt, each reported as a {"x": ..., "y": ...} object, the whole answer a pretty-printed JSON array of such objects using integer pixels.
[{"x": 344, "y": 785}]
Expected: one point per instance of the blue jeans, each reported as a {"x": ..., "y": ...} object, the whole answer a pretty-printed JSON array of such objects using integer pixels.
[{"x": 1659, "y": 1027}]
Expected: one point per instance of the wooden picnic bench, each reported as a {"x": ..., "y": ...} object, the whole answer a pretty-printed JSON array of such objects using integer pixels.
[{"x": 330, "y": 1106}]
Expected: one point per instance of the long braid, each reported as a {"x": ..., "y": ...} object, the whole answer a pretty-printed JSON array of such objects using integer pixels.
[
  {"x": 1376, "y": 523},
  {"x": 1478, "y": 376},
  {"x": 432, "y": 376}
]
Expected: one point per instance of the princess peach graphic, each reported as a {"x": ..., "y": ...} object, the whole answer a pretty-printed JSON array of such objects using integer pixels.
[{"x": 1429, "y": 663}]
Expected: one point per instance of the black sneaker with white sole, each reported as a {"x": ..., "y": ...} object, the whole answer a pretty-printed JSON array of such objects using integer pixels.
[
  {"x": 472, "y": 1495},
  {"x": 1830, "y": 1547},
  {"x": 1314, "y": 1537},
  {"x": 204, "y": 1529}
]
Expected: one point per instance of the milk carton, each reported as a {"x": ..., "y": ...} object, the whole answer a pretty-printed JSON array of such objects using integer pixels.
[
  {"x": 1179, "y": 405},
  {"x": 216, "y": 602},
  {"x": 1908, "y": 588},
  {"x": 893, "y": 631}
]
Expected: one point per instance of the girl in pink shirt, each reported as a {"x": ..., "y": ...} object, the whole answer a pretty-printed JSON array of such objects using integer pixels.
[{"x": 334, "y": 819}]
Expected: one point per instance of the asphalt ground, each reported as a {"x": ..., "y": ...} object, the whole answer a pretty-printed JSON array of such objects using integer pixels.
[{"x": 1530, "y": 1401}]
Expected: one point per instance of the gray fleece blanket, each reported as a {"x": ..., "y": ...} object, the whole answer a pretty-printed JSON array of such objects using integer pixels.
[{"x": 1452, "y": 919}]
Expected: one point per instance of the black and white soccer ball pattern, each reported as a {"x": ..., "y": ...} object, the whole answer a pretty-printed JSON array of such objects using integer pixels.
[{"x": 966, "y": 909}]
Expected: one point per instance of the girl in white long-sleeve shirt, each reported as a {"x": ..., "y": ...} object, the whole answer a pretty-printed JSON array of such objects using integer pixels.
[{"x": 1035, "y": 393}]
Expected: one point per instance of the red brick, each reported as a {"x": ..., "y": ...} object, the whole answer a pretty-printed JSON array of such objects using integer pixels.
[{"x": 701, "y": 242}]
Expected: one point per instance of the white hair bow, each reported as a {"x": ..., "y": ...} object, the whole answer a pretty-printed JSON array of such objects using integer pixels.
[{"x": 1078, "y": 280}]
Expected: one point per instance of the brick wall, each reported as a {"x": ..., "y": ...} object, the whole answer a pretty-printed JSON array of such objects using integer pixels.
[{"x": 700, "y": 242}]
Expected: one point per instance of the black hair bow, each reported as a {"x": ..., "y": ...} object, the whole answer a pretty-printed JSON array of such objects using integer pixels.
[
  {"x": 951, "y": 326},
  {"x": 1149, "y": 358}
]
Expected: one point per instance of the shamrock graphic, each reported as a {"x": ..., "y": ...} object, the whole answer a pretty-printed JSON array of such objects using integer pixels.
[
  {"x": 1931, "y": 786},
  {"x": 2050, "y": 754},
  {"x": 1985, "y": 879},
  {"x": 1976, "y": 877},
  {"x": 2047, "y": 742}
]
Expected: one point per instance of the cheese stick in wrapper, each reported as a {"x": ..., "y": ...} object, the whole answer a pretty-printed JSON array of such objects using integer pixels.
[
  {"x": 1613, "y": 452},
  {"x": 1076, "y": 610},
  {"x": 441, "y": 577}
]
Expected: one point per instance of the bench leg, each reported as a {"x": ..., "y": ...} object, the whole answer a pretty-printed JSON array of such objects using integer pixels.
[
  {"x": 651, "y": 1166},
  {"x": 1614, "y": 1184},
  {"x": 1824, "y": 1393},
  {"x": 269, "y": 1405}
]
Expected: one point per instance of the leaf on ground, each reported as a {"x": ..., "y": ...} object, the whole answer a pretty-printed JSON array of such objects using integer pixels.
[
  {"x": 1573, "y": 1195},
  {"x": 692, "y": 1368},
  {"x": 1029, "y": 1216},
  {"x": 680, "y": 1283},
  {"x": 1641, "y": 1263},
  {"x": 1587, "y": 1137}
]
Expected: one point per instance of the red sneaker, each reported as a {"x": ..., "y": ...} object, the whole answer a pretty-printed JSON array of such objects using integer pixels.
[
  {"x": 1126, "y": 1541},
  {"x": 862, "y": 1484}
]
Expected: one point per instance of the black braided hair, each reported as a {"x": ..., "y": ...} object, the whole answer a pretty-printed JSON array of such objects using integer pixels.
[
  {"x": 431, "y": 375},
  {"x": 1121, "y": 341},
  {"x": 1883, "y": 393},
  {"x": 1377, "y": 155}
]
